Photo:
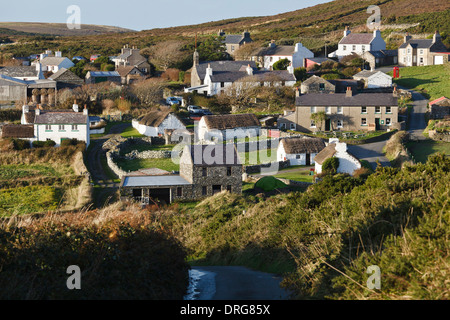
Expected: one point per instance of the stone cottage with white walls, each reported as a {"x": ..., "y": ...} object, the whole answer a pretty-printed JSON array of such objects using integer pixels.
[
  {"x": 53, "y": 63},
  {"x": 58, "y": 125},
  {"x": 358, "y": 43},
  {"x": 299, "y": 151},
  {"x": 374, "y": 79},
  {"x": 155, "y": 122},
  {"x": 296, "y": 54},
  {"x": 228, "y": 126},
  {"x": 347, "y": 162}
]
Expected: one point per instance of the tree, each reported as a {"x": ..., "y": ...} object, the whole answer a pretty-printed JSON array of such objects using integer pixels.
[
  {"x": 330, "y": 165},
  {"x": 319, "y": 118},
  {"x": 247, "y": 51},
  {"x": 166, "y": 54},
  {"x": 282, "y": 64},
  {"x": 300, "y": 74}
]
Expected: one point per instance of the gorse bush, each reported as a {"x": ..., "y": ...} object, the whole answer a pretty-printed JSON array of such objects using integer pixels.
[{"x": 123, "y": 253}]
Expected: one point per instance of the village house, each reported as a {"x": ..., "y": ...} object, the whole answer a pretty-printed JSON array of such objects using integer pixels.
[
  {"x": 374, "y": 79},
  {"x": 132, "y": 57},
  {"x": 380, "y": 58},
  {"x": 440, "y": 108},
  {"x": 422, "y": 52},
  {"x": 347, "y": 162},
  {"x": 66, "y": 79},
  {"x": 204, "y": 171},
  {"x": 315, "y": 84},
  {"x": 358, "y": 43},
  {"x": 14, "y": 89},
  {"x": 233, "y": 42},
  {"x": 25, "y": 73},
  {"x": 348, "y": 111},
  {"x": 130, "y": 74},
  {"x": 228, "y": 126},
  {"x": 266, "y": 57},
  {"x": 299, "y": 151},
  {"x": 155, "y": 122},
  {"x": 56, "y": 125},
  {"x": 53, "y": 62},
  {"x": 93, "y": 77}
]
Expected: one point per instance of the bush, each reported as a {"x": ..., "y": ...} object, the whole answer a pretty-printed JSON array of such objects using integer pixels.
[
  {"x": 69, "y": 142},
  {"x": 330, "y": 165},
  {"x": 282, "y": 64},
  {"x": 331, "y": 76},
  {"x": 38, "y": 144},
  {"x": 49, "y": 143},
  {"x": 20, "y": 144}
]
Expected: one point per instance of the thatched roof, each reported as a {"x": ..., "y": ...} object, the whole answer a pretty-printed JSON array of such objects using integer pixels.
[
  {"x": 326, "y": 153},
  {"x": 153, "y": 118},
  {"x": 303, "y": 145},
  {"x": 18, "y": 131},
  {"x": 231, "y": 121}
]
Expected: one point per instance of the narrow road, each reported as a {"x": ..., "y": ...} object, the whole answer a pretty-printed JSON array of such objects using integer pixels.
[
  {"x": 107, "y": 192},
  {"x": 371, "y": 152},
  {"x": 236, "y": 283},
  {"x": 417, "y": 120}
]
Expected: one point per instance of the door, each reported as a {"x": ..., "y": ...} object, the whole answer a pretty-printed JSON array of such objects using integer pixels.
[
  {"x": 216, "y": 189},
  {"x": 308, "y": 159},
  {"x": 377, "y": 123},
  {"x": 160, "y": 196},
  {"x": 438, "y": 60},
  {"x": 327, "y": 125}
]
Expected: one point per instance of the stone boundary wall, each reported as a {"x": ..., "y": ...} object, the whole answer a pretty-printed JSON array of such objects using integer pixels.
[
  {"x": 257, "y": 168},
  {"x": 438, "y": 136}
]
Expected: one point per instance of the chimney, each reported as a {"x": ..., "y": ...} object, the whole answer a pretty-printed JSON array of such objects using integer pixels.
[
  {"x": 272, "y": 44},
  {"x": 298, "y": 46},
  {"x": 209, "y": 70},
  {"x": 377, "y": 33},
  {"x": 349, "y": 92},
  {"x": 290, "y": 69},
  {"x": 407, "y": 37},
  {"x": 85, "y": 110},
  {"x": 436, "y": 37},
  {"x": 395, "y": 92},
  {"x": 75, "y": 106},
  {"x": 58, "y": 54},
  {"x": 297, "y": 92},
  {"x": 249, "y": 70},
  {"x": 37, "y": 111},
  {"x": 25, "y": 108},
  {"x": 346, "y": 31},
  {"x": 221, "y": 33}
]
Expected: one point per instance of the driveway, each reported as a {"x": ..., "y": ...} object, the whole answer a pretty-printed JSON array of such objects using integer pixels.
[
  {"x": 417, "y": 120},
  {"x": 370, "y": 152},
  {"x": 235, "y": 283}
]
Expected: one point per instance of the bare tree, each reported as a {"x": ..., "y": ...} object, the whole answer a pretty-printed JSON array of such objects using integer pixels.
[
  {"x": 147, "y": 92},
  {"x": 247, "y": 51},
  {"x": 166, "y": 54}
]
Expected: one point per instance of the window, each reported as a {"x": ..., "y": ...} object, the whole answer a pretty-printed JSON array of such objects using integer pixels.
[
  {"x": 321, "y": 86},
  {"x": 298, "y": 156},
  {"x": 409, "y": 50},
  {"x": 388, "y": 110},
  {"x": 232, "y": 48},
  {"x": 292, "y": 126},
  {"x": 204, "y": 191},
  {"x": 204, "y": 172},
  {"x": 229, "y": 171},
  {"x": 344, "y": 48},
  {"x": 353, "y": 47},
  {"x": 421, "y": 51},
  {"x": 421, "y": 60},
  {"x": 74, "y": 127},
  {"x": 339, "y": 110},
  {"x": 179, "y": 191},
  {"x": 363, "y": 109},
  {"x": 222, "y": 84},
  {"x": 48, "y": 127},
  {"x": 363, "y": 48},
  {"x": 364, "y": 122},
  {"x": 313, "y": 124},
  {"x": 377, "y": 109},
  {"x": 229, "y": 188},
  {"x": 313, "y": 109},
  {"x": 282, "y": 125},
  {"x": 339, "y": 124},
  {"x": 61, "y": 127},
  {"x": 327, "y": 110},
  {"x": 388, "y": 121}
]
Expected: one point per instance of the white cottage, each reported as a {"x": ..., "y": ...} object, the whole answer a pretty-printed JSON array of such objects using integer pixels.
[
  {"x": 347, "y": 162},
  {"x": 299, "y": 151},
  {"x": 273, "y": 53},
  {"x": 55, "y": 125},
  {"x": 374, "y": 79},
  {"x": 358, "y": 43},
  {"x": 228, "y": 126},
  {"x": 155, "y": 122}
]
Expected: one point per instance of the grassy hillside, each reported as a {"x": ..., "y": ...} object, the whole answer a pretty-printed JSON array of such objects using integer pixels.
[
  {"x": 313, "y": 26},
  {"x": 323, "y": 240}
]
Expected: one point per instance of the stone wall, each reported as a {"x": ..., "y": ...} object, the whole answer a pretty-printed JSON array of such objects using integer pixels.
[
  {"x": 439, "y": 112},
  {"x": 257, "y": 168},
  {"x": 439, "y": 136}
]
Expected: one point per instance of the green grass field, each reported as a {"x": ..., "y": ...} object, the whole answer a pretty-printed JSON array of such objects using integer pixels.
[
  {"x": 131, "y": 132},
  {"x": 423, "y": 149},
  {"x": 258, "y": 157},
  {"x": 297, "y": 175},
  {"x": 136, "y": 164},
  {"x": 432, "y": 81}
]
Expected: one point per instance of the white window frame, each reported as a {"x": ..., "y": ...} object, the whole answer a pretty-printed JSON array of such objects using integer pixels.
[
  {"x": 388, "y": 121},
  {"x": 363, "y": 121},
  {"x": 339, "y": 124},
  {"x": 328, "y": 110},
  {"x": 313, "y": 109},
  {"x": 340, "y": 110},
  {"x": 313, "y": 124},
  {"x": 363, "y": 110}
]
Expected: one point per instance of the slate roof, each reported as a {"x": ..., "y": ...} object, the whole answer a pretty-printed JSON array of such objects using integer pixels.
[
  {"x": 205, "y": 155},
  {"x": 258, "y": 76},
  {"x": 104, "y": 74},
  {"x": 234, "y": 38},
  {"x": 418, "y": 43},
  {"x": 303, "y": 145},
  {"x": 357, "y": 38},
  {"x": 60, "y": 117},
  {"x": 9, "y": 81},
  {"x": 53, "y": 61},
  {"x": 153, "y": 181},
  {"x": 340, "y": 99},
  {"x": 19, "y": 71},
  {"x": 223, "y": 66},
  {"x": 18, "y": 131},
  {"x": 65, "y": 74},
  {"x": 368, "y": 74},
  {"x": 231, "y": 121},
  {"x": 277, "y": 51},
  {"x": 125, "y": 70},
  {"x": 383, "y": 53}
]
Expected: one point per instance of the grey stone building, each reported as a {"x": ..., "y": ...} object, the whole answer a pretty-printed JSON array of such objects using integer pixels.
[
  {"x": 233, "y": 42},
  {"x": 204, "y": 171},
  {"x": 66, "y": 79},
  {"x": 422, "y": 52}
]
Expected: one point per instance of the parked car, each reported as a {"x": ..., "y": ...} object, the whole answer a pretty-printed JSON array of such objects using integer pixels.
[
  {"x": 173, "y": 100},
  {"x": 195, "y": 109},
  {"x": 206, "y": 112}
]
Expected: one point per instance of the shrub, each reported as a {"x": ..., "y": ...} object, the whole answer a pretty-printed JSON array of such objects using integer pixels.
[
  {"x": 331, "y": 76},
  {"x": 282, "y": 64},
  {"x": 69, "y": 142},
  {"x": 49, "y": 143},
  {"x": 20, "y": 144},
  {"x": 38, "y": 144},
  {"x": 330, "y": 165}
]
